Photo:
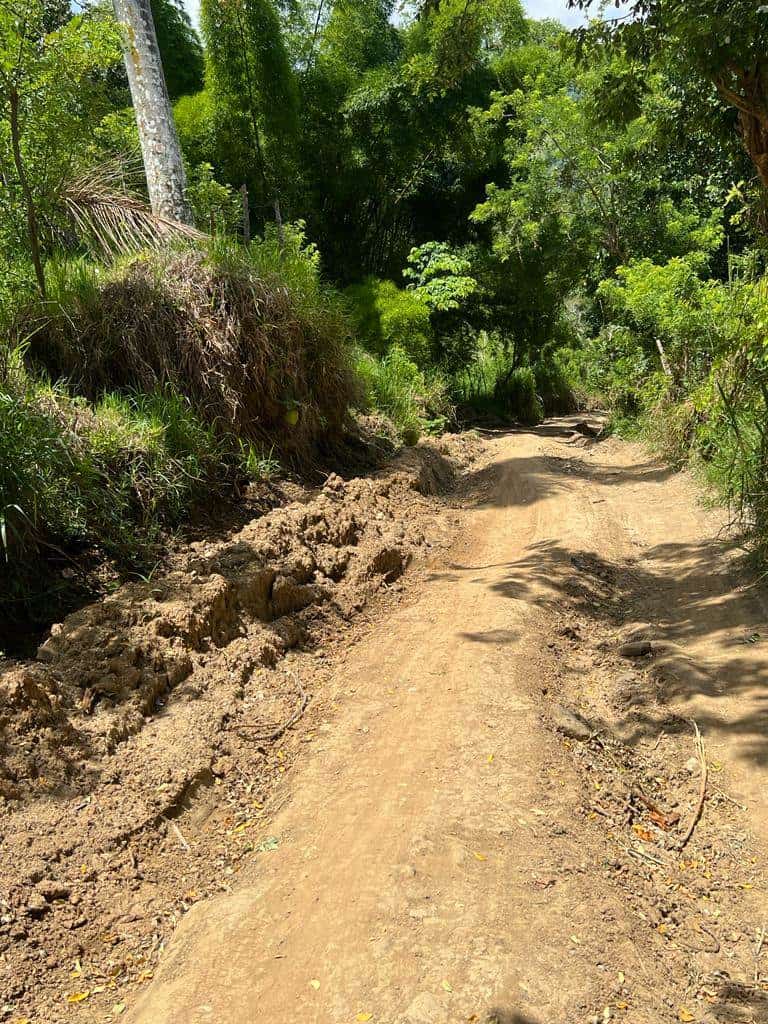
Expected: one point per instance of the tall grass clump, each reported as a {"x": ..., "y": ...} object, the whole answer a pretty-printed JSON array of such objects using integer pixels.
[
  {"x": 415, "y": 402},
  {"x": 105, "y": 478},
  {"x": 559, "y": 381},
  {"x": 251, "y": 337}
]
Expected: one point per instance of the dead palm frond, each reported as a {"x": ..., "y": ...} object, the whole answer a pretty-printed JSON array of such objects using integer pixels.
[{"x": 104, "y": 212}]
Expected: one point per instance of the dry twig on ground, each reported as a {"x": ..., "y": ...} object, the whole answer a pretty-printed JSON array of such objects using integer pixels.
[
  {"x": 270, "y": 737},
  {"x": 700, "y": 753}
]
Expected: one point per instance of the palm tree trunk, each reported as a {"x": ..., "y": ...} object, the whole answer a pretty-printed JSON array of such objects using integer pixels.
[{"x": 160, "y": 149}]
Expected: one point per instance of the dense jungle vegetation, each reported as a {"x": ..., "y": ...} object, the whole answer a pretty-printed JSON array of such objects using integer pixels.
[{"x": 431, "y": 215}]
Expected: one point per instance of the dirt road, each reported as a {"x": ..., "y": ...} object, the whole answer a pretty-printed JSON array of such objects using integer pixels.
[{"x": 455, "y": 847}]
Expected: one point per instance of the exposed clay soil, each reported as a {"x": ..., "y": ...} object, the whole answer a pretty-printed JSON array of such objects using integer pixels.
[
  {"x": 491, "y": 807},
  {"x": 162, "y": 700}
]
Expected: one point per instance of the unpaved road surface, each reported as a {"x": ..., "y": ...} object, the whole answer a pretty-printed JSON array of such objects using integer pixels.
[{"x": 455, "y": 845}]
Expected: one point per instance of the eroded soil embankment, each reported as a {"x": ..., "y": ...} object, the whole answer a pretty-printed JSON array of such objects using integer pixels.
[{"x": 166, "y": 699}]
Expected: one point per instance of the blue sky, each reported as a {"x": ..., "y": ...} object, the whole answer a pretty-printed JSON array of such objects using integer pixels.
[
  {"x": 535, "y": 8},
  {"x": 553, "y": 9}
]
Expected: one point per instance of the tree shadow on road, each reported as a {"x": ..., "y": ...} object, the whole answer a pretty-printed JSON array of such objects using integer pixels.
[
  {"x": 498, "y": 1016},
  {"x": 688, "y": 592},
  {"x": 529, "y": 479}
]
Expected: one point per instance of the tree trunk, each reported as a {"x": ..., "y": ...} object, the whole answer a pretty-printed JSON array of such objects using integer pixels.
[
  {"x": 754, "y": 131},
  {"x": 747, "y": 91},
  {"x": 33, "y": 234},
  {"x": 157, "y": 132}
]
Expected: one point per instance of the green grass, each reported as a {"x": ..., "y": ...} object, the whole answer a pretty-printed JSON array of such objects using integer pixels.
[
  {"x": 415, "y": 402},
  {"x": 109, "y": 476}
]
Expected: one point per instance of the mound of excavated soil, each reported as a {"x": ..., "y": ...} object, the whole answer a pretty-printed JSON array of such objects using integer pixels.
[{"x": 140, "y": 704}]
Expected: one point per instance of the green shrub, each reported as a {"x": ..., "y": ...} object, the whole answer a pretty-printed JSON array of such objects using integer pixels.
[
  {"x": 617, "y": 368},
  {"x": 492, "y": 385},
  {"x": 517, "y": 393},
  {"x": 558, "y": 377},
  {"x": 704, "y": 403},
  {"x": 389, "y": 317},
  {"x": 473, "y": 385},
  {"x": 394, "y": 385}
]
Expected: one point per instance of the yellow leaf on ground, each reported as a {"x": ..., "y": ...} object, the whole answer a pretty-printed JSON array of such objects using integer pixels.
[
  {"x": 480, "y": 856},
  {"x": 118, "y": 1008},
  {"x": 315, "y": 984},
  {"x": 447, "y": 986},
  {"x": 490, "y": 758},
  {"x": 685, "y": 1015},
  {"x": 77, "y": 997},
  {"x": 643, "y": 833},
  {"x": 622, "y": 1005},
  {"x": 364, "y": 1017}
]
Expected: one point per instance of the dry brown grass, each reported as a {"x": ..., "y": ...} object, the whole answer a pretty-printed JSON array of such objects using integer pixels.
[{"x": 253, "y": 357}]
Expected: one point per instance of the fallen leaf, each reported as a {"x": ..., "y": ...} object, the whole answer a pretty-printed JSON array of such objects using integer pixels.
[
  {"x": 685, "y": 1015},
  {"x": 622, "y": 977},
  {"x": 315, "y": 984},
  {"x": 622, "y": 1005},
  {"x": 490, "y": 758},
  {"x": 241, "y": 827},
  {"x": 77, "y": 997},
  {"x": 643, "y": 833},
  {"x": 480, "y": 856},
  {"x": 575, "y": 940},
  {"x": 118, "y": 1008},
  {"x": 447, "y": 986},
  {"x": 364, "y": 1017}
]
